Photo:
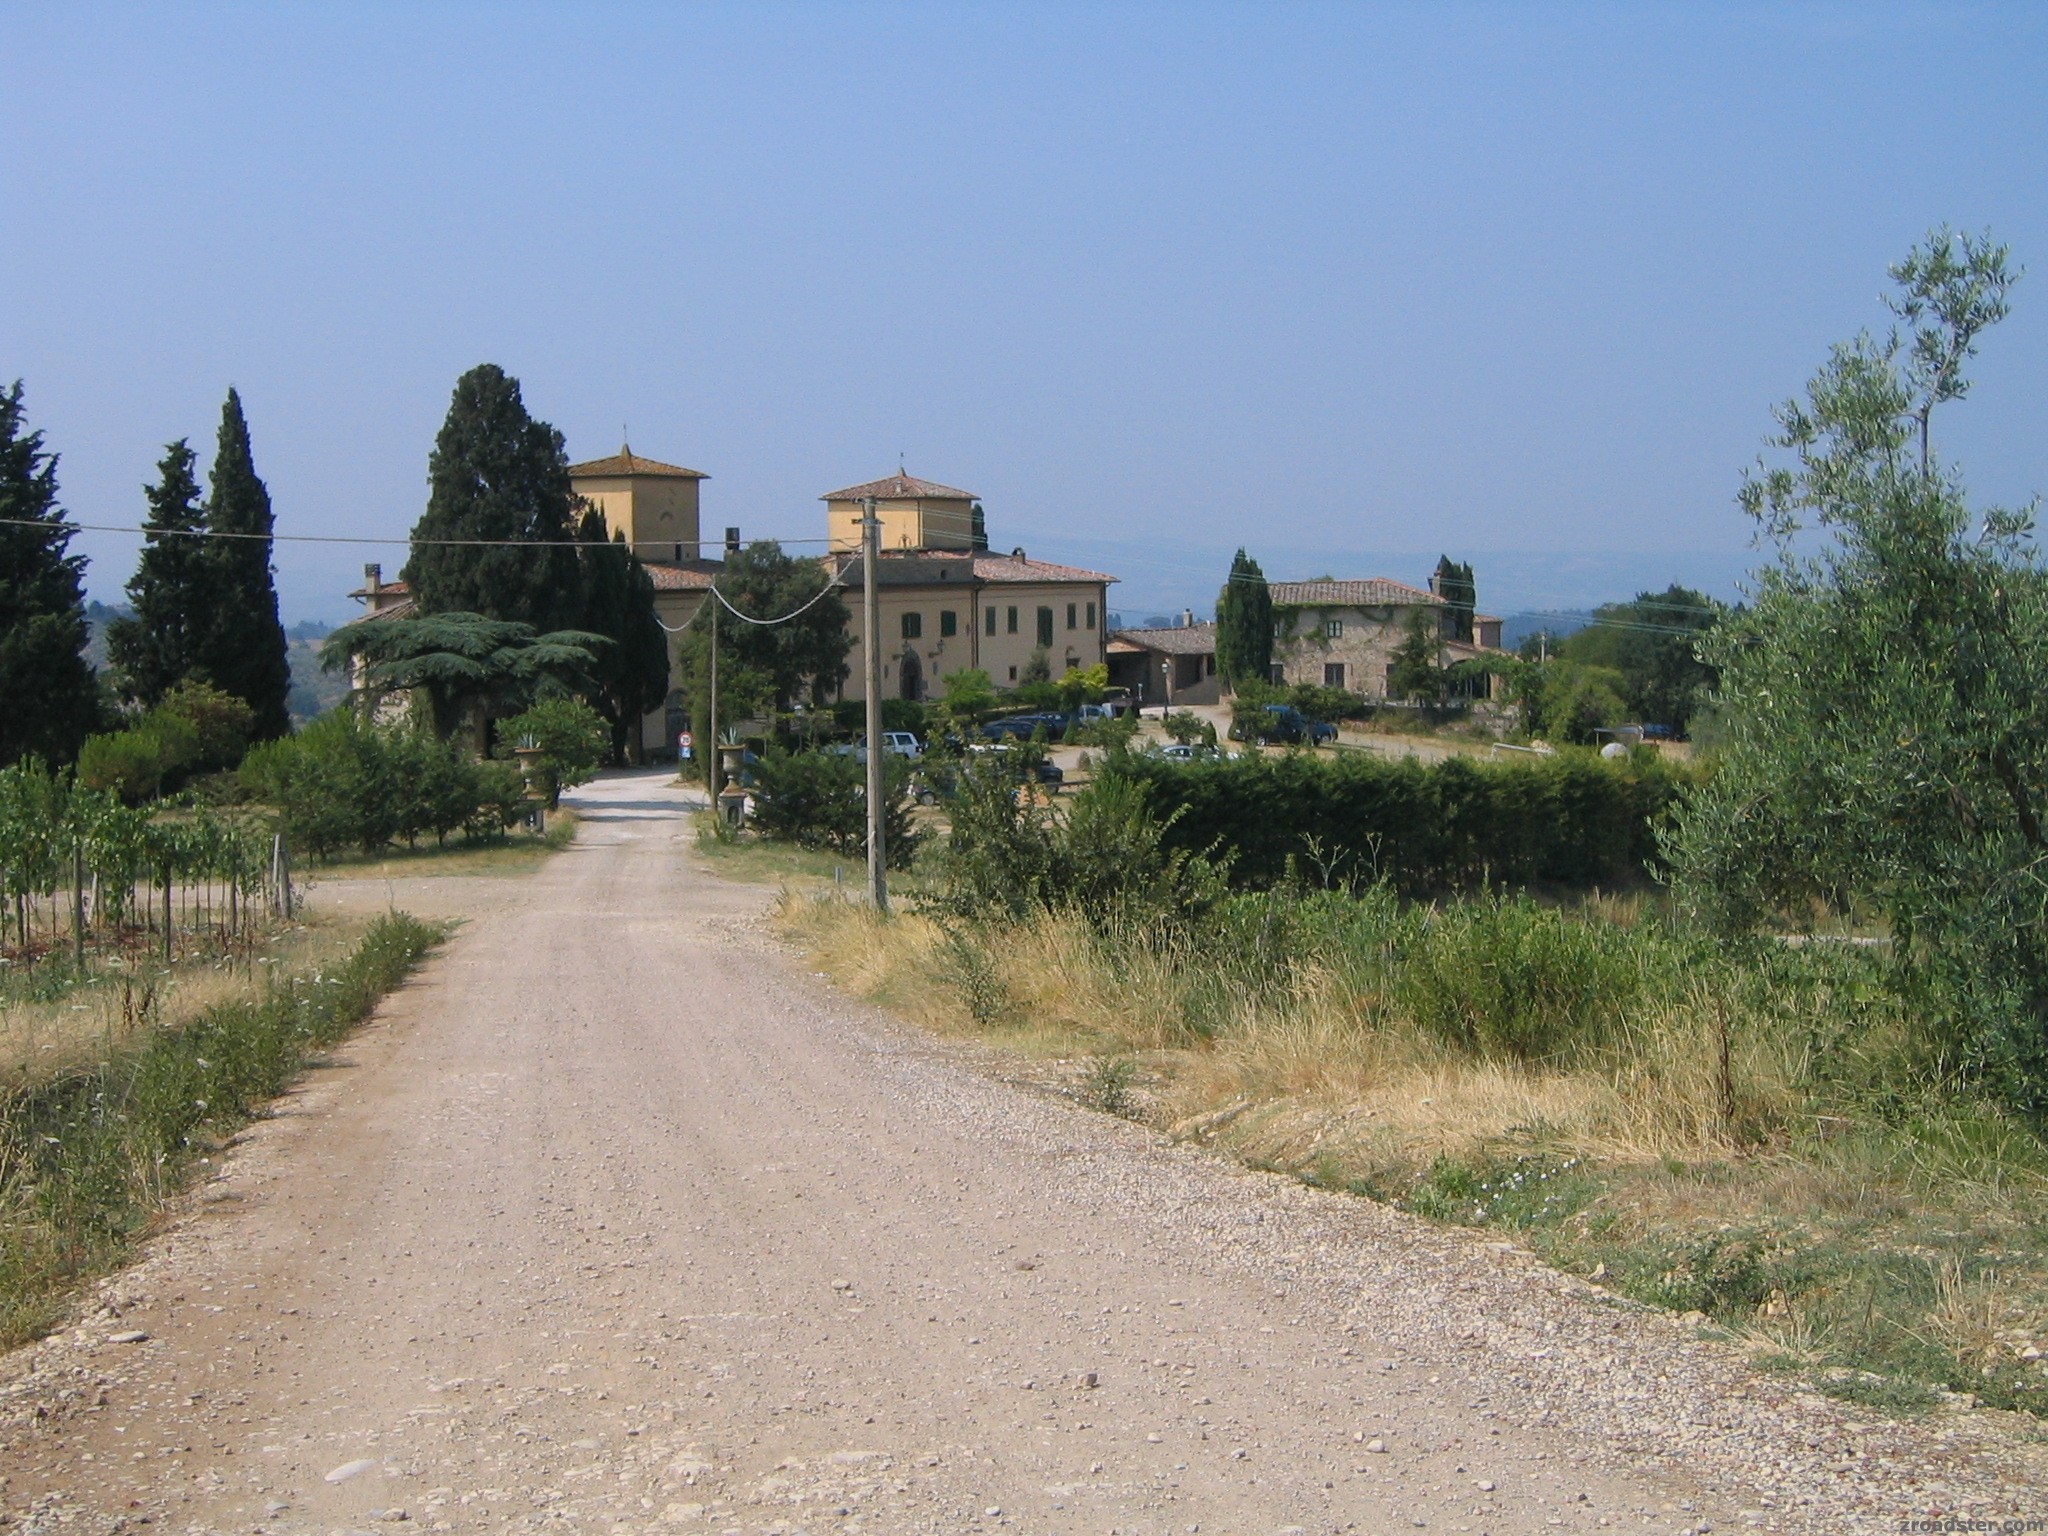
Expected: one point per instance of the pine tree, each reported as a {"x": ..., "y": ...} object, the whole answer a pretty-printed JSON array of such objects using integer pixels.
[
  {"x": 496, "y": 473},
  {"x": 171, "y": 590},
  {"x": 631, "y": 674},
  {"x": 241, "y": 644},
  {"x": 1244, "y": 624},
  {"x": 48, "y": 700}
]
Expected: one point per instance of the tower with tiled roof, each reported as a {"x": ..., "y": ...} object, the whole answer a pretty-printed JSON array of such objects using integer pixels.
[
  {"x": 915, "y": 514},
  {"x": 653, "y": 504}
]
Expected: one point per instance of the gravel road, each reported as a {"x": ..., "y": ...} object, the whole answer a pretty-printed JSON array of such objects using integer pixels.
[{"x": 618, "y": 1221}]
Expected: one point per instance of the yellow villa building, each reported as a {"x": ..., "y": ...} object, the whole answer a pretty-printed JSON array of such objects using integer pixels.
[{"x": 948, "y": 602}]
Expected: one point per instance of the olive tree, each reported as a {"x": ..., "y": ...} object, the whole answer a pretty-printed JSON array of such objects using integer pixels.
[{"x": 1885, "y": 692}]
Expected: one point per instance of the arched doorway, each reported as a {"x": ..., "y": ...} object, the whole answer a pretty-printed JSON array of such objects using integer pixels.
[{"x": 912, "y": 672}]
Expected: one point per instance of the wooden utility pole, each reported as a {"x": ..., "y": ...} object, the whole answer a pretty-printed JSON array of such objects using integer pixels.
[
  {"x": 871, "y": 640},
  {"x": 78, "y": 907},
  {"x": 712, "y": 746}
]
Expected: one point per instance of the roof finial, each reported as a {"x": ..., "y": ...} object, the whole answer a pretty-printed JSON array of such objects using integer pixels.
[{"x": 625, "y": 441}]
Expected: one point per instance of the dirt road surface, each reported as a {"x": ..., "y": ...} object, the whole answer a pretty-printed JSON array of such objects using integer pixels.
[{"x": 617, "y": 1221}]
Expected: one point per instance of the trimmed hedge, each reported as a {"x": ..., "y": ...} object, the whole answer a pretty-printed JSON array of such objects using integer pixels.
[{"x": 1574, "y": 819}]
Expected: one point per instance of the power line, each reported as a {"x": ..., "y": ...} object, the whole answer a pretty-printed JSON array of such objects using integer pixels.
[{"x": 340, "y": 538}]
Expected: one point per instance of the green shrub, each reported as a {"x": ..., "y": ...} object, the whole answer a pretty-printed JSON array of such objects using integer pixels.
[
  {"x": 1506, "y": 979},
  {"x": 819, "y": 800},
  {"x": 130, "y": 763},
  {"x": 1572, "y": 820},
  {"x": 342, "y": 782},
  {"x": 572, "y": 739}
]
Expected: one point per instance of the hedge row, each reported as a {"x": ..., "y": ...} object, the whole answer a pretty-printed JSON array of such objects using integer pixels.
[{"x": 1574, "y": 819}]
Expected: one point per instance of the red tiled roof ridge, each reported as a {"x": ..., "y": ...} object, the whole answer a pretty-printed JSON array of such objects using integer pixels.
[
  {"x": 627, "y": 462},
  {"x": 1362, "y": 592},
  {"x": 899, "y": 487}
]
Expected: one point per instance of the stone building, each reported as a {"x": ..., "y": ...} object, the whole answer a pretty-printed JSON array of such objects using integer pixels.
[{"x": 1343, "y": 634}]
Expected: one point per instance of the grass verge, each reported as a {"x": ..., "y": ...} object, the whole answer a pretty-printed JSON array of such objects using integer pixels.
[
  {"x": 88, "y": 1157},
  {"x": 515, "y": 852},
  {"x": 1732, "y": 1145}
]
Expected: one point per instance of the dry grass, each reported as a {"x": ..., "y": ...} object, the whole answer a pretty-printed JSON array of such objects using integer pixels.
[
  {"x": 1880, "y": 1252},
  {"x": 78, "y": 1026}
]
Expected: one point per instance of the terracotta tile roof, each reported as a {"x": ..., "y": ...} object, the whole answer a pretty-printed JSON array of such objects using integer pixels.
[
  {"x": 989, "y": 566},
  {"x": 1186, "y": 640},
  {"x": 917, "y": 567},
  {"x": 381, "y": 589},
  {"x": 627, "y": 462},
  {"x": 899, "y": 488},
  {"x": 404, "y": 610},
  {"x": 670, "y": 577},
  {"x": 1373, "y": 592}
]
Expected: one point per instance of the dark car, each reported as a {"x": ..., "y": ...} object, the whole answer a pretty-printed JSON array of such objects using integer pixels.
[
  {"x": 1287, "y": 725},
  {"x": 1023, "y": 764},
  {"x": 1024, "y": 727}
]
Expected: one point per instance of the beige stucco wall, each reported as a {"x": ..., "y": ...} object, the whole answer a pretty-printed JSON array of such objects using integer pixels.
[
  {"x": 909, "y": 523},
  {"x": 655, "y": 512},
  {"x": 1003, "y": 656}
]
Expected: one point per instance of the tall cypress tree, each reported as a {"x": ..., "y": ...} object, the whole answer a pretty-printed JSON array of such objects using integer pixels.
[
  {"x": 48, "y": 700},
  {"x": 497, "y": 474},
  {"x": 631, "y": 673},
  {"x": 1460, "y": 594},
  {"x": 1244, "y": 624},
  {"x": 171, "y": 590},
  {"x": 241, "y": 643}
]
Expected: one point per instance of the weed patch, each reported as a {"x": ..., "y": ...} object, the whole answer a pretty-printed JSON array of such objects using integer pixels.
[{"x": 88, "y": 1158}]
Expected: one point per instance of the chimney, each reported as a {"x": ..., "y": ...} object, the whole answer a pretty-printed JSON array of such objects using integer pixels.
[
  {"x": 373, "y": 576},
  {"x": 732, "y": 543},
  {"x": 1187, "y": 618}
]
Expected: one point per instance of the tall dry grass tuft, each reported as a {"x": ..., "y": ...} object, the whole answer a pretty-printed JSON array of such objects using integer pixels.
[{"x": 1659, "y": 1086}]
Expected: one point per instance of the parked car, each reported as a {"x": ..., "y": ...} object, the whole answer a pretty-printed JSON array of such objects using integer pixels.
[
  {"x": 1285, "y": 724},
  {"x": 1189, "y": 752},
  {"x": 900, "y": 743},
  {"x": 1024, "y": 727},
  {"x": 1043, "y": 769}
]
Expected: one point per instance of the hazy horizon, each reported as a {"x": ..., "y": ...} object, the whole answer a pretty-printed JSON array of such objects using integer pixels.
[{"x": 1348, "y": 287}]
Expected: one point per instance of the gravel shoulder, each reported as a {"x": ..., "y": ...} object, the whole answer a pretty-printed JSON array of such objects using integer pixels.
[{"x": 616, "y": 1220}]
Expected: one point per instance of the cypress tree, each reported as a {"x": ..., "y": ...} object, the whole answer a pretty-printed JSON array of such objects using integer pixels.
[
  {"x": 48, "y": 700},
  {"x": 1244, "y": 624},
  {"x": 630, "y": 674},
  {"x": 496, "y": 473},
  {"x": 1460, "y": 594},
  {"x": 242, "y": 648},
  {"x": 171, "y": 590}
]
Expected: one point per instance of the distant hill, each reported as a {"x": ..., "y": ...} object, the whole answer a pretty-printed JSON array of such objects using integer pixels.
[
  {"x": 1517, "y": 627},
  {"x": 313, "y": 691}
]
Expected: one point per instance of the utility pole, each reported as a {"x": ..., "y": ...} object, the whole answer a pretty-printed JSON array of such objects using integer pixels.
[
  {"x": 711, "y": 746},
  {"x": 871, "y": 640}
]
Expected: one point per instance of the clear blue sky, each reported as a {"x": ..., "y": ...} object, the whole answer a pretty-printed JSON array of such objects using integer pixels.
[{"x": 1349, "y": 285}]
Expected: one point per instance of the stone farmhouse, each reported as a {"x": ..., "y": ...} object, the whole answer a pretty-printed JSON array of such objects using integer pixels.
[
  {"x": 1343, "y": 634},
  {"x": 948, "y": 602}
]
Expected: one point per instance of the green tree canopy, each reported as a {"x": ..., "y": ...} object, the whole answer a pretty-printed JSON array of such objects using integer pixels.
[
  {"x": 1415, "y": 669},
  {"x": 172, "y": 589},
  {"x": 802, "y": 658},
  {"x": 629, "y": 676},
  {"x": 1244, "y": 624},
  {"x": 497, "y": 474},
  {"x": 1653, "y": 642},
  {"x": 50, "y": 701},
  {"x": 1885, "y": 695},
  {"x": 1460, "y": 594},
  {"x": 472, "y": 669},
  {"x": 240, "y": 645}
]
